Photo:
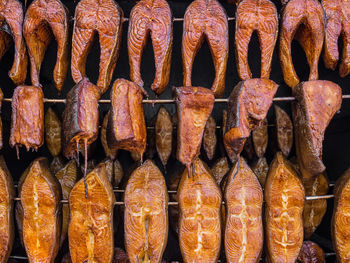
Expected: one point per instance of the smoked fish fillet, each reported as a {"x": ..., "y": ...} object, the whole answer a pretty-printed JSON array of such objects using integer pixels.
[
  {"x": 199, "y": 200},
  {"x": 41, "y": 16},
  {"x": 90, "y": 230},
  {"x": 104, "y": 17},
  {"x": 146, "y": 214},
  {"x": 152, "y": 17},
  {"x": 244, "y": 226},
  {"x": 284, "y": 197},
  {"x": 305, "y": 20},
  {"x": 206, "y": 18},
  {"x": 260, "y": 16},
  {"x": 40, "y": 195}
]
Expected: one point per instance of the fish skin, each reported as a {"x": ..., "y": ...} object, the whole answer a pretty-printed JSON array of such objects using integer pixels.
[
  {"x": 164, "y": 135},
  {"x": 53, "y": 132},
  {"x": 260, "y": 138},
  {"x": 311, "y": 253},
  {"x": 206, "y": 18},
  {"x": 154, "y": 17},
  {"x": 284, "y": 131},
  {"x": 209, "y": 138}
]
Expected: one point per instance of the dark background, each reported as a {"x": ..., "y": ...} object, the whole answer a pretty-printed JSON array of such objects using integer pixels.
[{"x": 336, "y": 151}]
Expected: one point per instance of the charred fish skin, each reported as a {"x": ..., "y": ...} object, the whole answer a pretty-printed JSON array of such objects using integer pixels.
[
  {"x": 247, "y": 107},
  {"x": 126, "y": 127},
  {"x": 106, "y": 18},
  {"x": 315, "y": 105},
  {"x": 244, "y": 227},
  {"x": 40, "y": 195},
  {"x": 209, "y": 19},
  {"x": 309, "y": 15},
  {"x": 260, "y": 16},
  {"x": 284, "y": 197},
  {"x": 27, "y": 121},
  {"x": 11, "y": 12},
  {"x": 90, "y": 230},
  {"x": 164, "y": 135},
  {"x": 146, "y": 214},
  {"x": 40, "y": 17},
  {"x": 154, "y": 17},
  {"x": 194, "y": 106}
]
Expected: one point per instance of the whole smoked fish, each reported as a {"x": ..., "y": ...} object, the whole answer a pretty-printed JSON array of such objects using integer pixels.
[
  {"x": 152, "y": 17},
  {"x": 104, "y": 17},
  {"x": 311, "y": 253},
  {"x": 260, "y": 16},
  {"x": 284, "y": 131},
  {"x": 90, "y": 230},
  {"x": 244, "y": 203},
  {"x": 206, "y": 18},
  {"x": 53, "y": 132},
  {"x": 164, "y": 135},
  {"x": 40, "y": 195},
  {"x": 146, "y": 214},
  {"x": 200, "y": 219},
  {"x": 284, "y": 197},
  {"x": 209, "y": 138}
]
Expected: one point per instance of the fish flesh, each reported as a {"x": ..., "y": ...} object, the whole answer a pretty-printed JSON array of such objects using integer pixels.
[
  {"x": 284, "y": 131},
  {"x": 206, "y": 18},
  {"x": 284, "y": 197},
  {"x": 40, "y": 195},
  {"x": 11, "y": 17},
  {"x": 53, "y": 130},
  {"x": 247, "y": 107},
  {"x": 311, "y": 253},
  {"x": 244, "y": 204},
  {"x": 209, "y": 138},
  {"x": 260, "y": 16},
  {"x": 109, "y": 153},
  {"x": 260, "y": 169},
  {"x": 164, "y": 135},
  {"x": 260, "y": 138},
  {"x": 152, "y": 17},
  {"x": 315, "y": 104},
  {"x": 41, "y": 16},
  {"x": 146, "y": 214},
  {"x": 200, "y": 229},
  {"x": 104, "y": 17},
  {"x": 304, "y": 19},
  {"x": 90, "y": 230}
]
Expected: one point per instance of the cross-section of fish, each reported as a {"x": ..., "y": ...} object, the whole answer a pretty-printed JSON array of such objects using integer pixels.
[
  {"x": 337, "y": 24},
  {"x": 247, "y": 107},
  {"x": 209, "y": 138},
  {"x": 40, "y": 195},
  {"x": 41, "y": 16},
  {"x": 206, "y": 18},
  {"x": 27, "y": 121},
  {"x": 151, "y": 17},
  {"x": 164, "y": 135},
  {"x": 260, "y": 16},
  {"x": 90, "y": 230},
  {"x": 104, "y": 17},
  {"x": 53, "y": 128},
  {"x": 244, "y": 228},
  {"x": 284, "y": 196},
  {"x": 126, "y": 125},
  {"x": 284, "y": 131},
  {"x": 315, "y": 105},
  {"x": 303, "y": 19},
  {"x": 11, "y": 17},
  {"x": 194, "y": 106},
  {"x": 311, "y": 253},
  {"x": 146, "y": 214}
]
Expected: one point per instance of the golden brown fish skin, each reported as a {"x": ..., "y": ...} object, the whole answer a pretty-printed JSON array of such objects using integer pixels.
[
  {"x": 337, "y": 24},
  {"x": 247, "y": 107},
  {"x": 206, "y": 18},
  {"x": 194, "y": 106},
  {"x": 146, "y": 214},
  {"x": 57, "y": 164},
  {"x": 11, "y": 14},
  {"x": 244, "y": 227},
  {"x": 41, "y": 16},
  {"x": 80, "y": 118},
  {"x": 209, "y": 138},
  {"x": 164, "y": 135},
  {"x": 126, "y": 125},
  {"x": 260, "y": 138},
  {"x": 90, "y": 230},
  {"x": 27, "y": 121},
  {"x": 67, "y": 177},
  {"x": 104, "y": 17},
  {"x": 40, "y": 195},
  {"x": 260, "y": 16},
  {"x": 199, "y": 200},
  {"x": 284, "y": 197},
  {"x": 311, "y": 253},
  {"x": 219, "y": 169},
  {"x": 307, "y": 16},
  {"x": 284, "y": 131},
  {"x": 315, "y": 105},
  {"x": 53, "y": 132},
  {"x": 314, "y": 210},
  {"x": 152, "y": 17},
  {"x": 261, "y": 168},
  {"x": 109, "y": 153},
  {"x": 118, "y": 173}
]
